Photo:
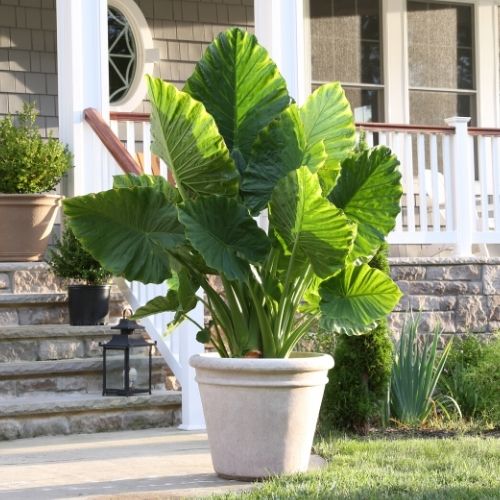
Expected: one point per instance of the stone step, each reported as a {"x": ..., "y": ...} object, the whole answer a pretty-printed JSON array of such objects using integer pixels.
[
  {"x": 30, "y": 294},
  {"x": 51, "y": 342},
  {"x": 69, "y": 376},
  {"x": 46, "y": 308},
  {"x": 32, "y": 416}
]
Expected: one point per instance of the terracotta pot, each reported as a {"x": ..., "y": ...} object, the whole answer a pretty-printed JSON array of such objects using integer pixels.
[
  {"x": 26, "y": 221},
  {"x": 261, "y": 414}
]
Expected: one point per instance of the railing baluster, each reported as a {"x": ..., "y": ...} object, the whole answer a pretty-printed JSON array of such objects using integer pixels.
[
  {"x": 422, "y": 187},
  {"x": 483, "y": 183},
  {"x": 146, "y": 147},
  {"x": 406, "y": 154},
  {"x": 495, "y": 143},
  {"x": 448, "y": 189},
  {"x": 369, "y": 138},
  {"x": 131, "y": 138},
  {"x": 436, "y": 198}
]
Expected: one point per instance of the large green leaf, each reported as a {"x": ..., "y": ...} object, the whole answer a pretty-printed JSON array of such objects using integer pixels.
[
  {"x": 185, "y": 136},
  {"x": 309, "y": 226},
  {"x": 155, "y": 181},
  {"x": 181, "y": 297},
  {"x": 225, "y": 235},
  {"x": 160, "y": 304},
  {"x": 327, "y": 117},
  {"x": 240, "y": 86},
  {"x": 369, "y": 190},
  {"x": 128, "y": 231},
  {"x": 354, "y": 300},
  {"x": 278, "y": 149}
]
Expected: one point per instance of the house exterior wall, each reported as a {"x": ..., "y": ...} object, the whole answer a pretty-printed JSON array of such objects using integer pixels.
[
  {"x": 181, "y": 30},
  {"x": 28, "y": 64}
]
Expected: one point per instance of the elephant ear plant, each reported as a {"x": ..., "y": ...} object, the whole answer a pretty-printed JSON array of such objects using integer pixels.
[{"x": 238, "y": 146}]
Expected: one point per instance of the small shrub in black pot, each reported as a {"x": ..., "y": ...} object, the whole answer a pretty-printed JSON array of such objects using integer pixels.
[{"x": 88, "y": 281}]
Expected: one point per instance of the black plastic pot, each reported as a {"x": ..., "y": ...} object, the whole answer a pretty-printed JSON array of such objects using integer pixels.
[{"x": 88, "y": 304}]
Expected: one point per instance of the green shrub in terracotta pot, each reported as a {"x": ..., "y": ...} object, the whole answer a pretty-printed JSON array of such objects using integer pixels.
[
  {"x": 88, "y": 281},
  {"x": 239, "y": 148},
  {"x": 30, "y": 166}
]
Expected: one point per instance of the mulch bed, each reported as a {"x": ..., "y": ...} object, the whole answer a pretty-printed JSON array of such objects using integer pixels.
[{"x": 423, "y": 433}]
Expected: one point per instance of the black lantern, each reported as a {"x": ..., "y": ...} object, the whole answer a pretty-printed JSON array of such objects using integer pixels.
[{"x": 126, "y": 368}]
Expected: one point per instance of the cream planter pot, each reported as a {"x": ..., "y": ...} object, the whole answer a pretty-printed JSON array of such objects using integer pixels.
[
  {"x": 261, "y": 414},
  {"x": 26, "y": 221}
]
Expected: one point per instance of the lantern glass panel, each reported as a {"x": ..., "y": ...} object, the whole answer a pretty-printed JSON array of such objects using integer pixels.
[{"x": 116, "y": 365}]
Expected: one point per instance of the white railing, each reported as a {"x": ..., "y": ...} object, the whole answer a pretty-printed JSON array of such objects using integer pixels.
[
  {"x": 451, "y": 183},
  {"x": 176, "y": 347},
  {"x": 451, "y": 178}
]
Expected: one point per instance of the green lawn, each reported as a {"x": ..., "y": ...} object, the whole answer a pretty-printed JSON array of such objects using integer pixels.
[{"x": 451, "y": 468}]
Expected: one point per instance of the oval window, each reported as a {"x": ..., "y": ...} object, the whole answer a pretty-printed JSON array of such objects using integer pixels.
[
  {"x": 131, "y": 54},
  {"x": 122, "y": 55}
]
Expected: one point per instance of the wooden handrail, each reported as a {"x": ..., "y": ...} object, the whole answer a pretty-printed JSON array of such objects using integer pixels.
[
  {"x": 111, "y": 142},
  {"x": 129, "y": 117},
  {"x": 403, "y": 127},
  {"x": 484, "y": 131},
  {"x": 375, "y": 126}
]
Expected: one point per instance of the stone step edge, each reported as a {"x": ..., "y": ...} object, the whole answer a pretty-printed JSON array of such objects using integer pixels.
[
  {"x": 98, "y": 403},
  {"x": 64, "y": 366},
  {"x": 8, "y": 298},
  {"x": 46, "y": 331}
]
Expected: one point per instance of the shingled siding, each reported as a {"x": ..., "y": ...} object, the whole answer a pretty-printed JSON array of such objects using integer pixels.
[
  {"x": 28, "y": 65},
  {"x": 182, "y": 30},
  {"x": 462, "y": 295}
]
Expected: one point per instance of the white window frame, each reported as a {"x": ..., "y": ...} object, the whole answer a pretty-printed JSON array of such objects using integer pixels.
[
  {"x": 395, "y": 60},
  {"x": 146, "y": 55},
  {"x": 395, "y": 42}
]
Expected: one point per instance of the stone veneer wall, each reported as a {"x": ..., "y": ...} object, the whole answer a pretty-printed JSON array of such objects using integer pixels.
[
  {"x": 28, "y": 64},
  {"x": 463, "y": 295}
]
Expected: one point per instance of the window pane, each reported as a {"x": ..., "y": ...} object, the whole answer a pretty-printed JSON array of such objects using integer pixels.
[
  {"x": 431, "y": 108},
  {"x": 345, "y": 41},
  {"x": 367, "y": 105},
  {"x": 370, "y": 62},
  {"x": 464, "y": 69},
  {"x": 370, "y": 22},
  {"x": 440, "y": 45}
]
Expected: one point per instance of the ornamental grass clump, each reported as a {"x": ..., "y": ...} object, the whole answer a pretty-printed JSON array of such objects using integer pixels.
[
  {"x": 238, "y": 146},
  {"x": 415, "y": 374},
  {"x": 29, "y": 164}
]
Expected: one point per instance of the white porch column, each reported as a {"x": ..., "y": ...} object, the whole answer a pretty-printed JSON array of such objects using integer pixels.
[
  {"x": 282, "y": 27},
  {"x": 395, "y": 49},
  {"x": 82, "y": 67},
  {"x": 192, "y": 410},
  {"x": 486, "y": 56},
  {"x": 463, "y": 184}
]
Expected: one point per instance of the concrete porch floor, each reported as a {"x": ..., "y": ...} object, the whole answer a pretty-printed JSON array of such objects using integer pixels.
[{"x": 143, "y": 464}]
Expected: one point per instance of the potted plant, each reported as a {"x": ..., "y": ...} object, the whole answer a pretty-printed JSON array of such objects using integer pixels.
[
  {"x": 88, "y": 288},
  {"x": 238, "y": 147},
  {"x": 29, "y": 167}
]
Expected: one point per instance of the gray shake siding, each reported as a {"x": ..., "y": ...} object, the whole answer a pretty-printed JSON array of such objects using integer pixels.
[
  {"x": 28, "y": 64},
  {"x": 180, "y": 29}
]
